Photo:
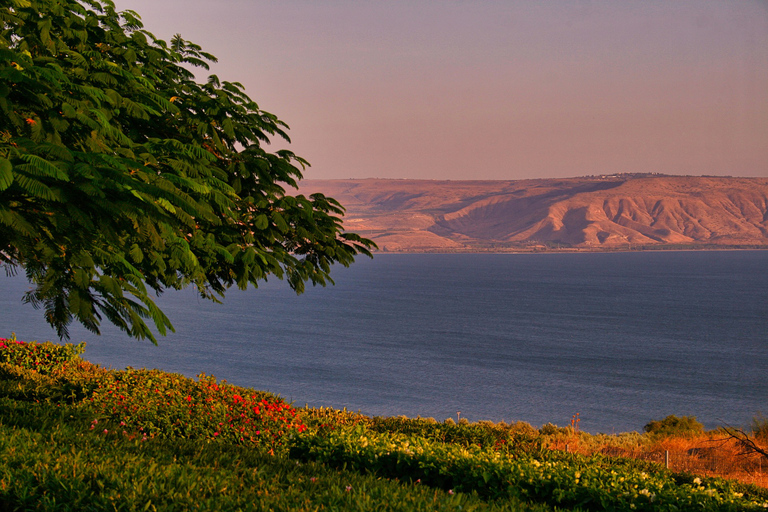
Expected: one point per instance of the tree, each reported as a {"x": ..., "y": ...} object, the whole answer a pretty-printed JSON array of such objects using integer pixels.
[
  {"x": 120, "y": 175},
  {"x": 674, "y": 426}
]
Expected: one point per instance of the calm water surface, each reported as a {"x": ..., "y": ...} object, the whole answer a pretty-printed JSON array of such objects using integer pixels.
[{"x": 620, "y": 338}]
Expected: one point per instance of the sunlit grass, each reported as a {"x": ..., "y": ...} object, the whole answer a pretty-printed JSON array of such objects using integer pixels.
[{"x": 75, "y": 436}]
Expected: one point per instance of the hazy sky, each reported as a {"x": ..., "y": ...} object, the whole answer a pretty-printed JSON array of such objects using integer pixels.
[{"x": 496, "y": 89}]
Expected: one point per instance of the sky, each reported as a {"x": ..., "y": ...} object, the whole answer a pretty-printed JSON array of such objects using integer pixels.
[{"x": 495, "y": 89}]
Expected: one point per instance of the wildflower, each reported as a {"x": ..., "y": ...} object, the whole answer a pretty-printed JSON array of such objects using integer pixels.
[
  {"x": 450, "y": 491},
  {"x": 697, "y": 481},
  {"x": 106, "y": 431},
  {"x": 349, "y": 488}
]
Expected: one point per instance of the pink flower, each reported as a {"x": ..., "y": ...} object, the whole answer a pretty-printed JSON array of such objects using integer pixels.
[
  {"x": 349, "y": 488},
  {"x": 450, "y": 491},
  {"x": 106, "y": 431}
]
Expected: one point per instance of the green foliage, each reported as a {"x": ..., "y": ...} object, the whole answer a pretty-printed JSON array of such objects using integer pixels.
[
  {"x": 486, "y": 433},
  {"x": 555, "y": 478},
  {"x": 146, "y": 403},
  {"x": 674, "y": 426},
  {"x": 550, "y": 429},
  {"x": 56, "y": 457},
  {"x": 41, "y": 357},
  {"x": 121, "y": 176},
  {"x": 79, "y": 437},
  {"x": 760, "y": 427},
  {"x": 49, "y": 464},
  {"x": 149, "y": 403}
]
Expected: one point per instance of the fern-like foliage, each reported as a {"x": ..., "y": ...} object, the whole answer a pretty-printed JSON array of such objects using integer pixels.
[{"x": 121, "y": 176}]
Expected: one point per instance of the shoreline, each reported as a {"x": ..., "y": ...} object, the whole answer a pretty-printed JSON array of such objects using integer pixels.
[{"x": 575, "y": 250}]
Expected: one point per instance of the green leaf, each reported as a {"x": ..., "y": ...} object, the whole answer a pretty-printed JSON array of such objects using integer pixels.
[
  {"x": 6, "y": 173},
  {"x": 261, "y": 222},
  {"x": 279, "y": 221}
]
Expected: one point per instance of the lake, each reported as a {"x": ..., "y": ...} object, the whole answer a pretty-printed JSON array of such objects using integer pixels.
[{"x": 620, "y": 338}]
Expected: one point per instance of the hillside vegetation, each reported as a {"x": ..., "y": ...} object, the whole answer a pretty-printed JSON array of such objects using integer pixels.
[
  {"x": 615, "y": 212},
  {"x": 75, "y": 436}
]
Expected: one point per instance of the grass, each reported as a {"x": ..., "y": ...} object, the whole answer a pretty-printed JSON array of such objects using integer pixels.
[
  {"x": 75, "y": 436},
  {"x": 51, "y": 462}
]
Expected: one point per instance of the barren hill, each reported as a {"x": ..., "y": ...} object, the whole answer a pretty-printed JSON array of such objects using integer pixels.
[{"x": 601, "y": 212}]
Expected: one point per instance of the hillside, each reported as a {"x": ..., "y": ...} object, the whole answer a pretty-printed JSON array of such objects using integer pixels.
[
  {"x": 75, "y": 436},
  {"x": 589, "y": 213}
]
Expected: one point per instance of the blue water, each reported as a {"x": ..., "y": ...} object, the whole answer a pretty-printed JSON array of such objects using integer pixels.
[{"x": 621, "y": 338}]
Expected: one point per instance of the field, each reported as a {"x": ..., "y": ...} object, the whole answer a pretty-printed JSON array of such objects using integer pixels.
[{"x": 75, "y": 436}]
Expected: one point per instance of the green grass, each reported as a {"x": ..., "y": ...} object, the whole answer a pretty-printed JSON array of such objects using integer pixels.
[
  {"x": 74, "y": 436},
  {"x": 53, "y": 461}
]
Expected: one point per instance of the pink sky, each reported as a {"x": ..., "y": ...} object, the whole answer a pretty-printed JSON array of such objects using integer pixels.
[{"x": 496, "y": 89}]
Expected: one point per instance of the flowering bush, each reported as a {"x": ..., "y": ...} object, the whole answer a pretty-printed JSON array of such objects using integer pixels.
[
  {"x": 42, "y": 357},
  {"x": 155, "y": 403},
  {"x": 149, "y": 403}
]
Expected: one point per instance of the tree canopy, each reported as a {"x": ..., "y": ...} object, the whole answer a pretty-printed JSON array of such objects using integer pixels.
[{"x": 121, "y": 176}]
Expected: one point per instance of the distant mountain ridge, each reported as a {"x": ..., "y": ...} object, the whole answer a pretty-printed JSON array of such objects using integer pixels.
[{"x": 597, "y": 212}]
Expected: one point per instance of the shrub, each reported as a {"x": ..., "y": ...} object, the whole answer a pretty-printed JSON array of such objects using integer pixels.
[
  {"x": 41, "y": 357},
  {"x": 145, "y": 402},
  {"x": 162, "y": 404},
  {"x": 550, "y": 429},
  {"x": 522, "y": 427},
  {"x": 674, "y": 426},
  {"x": 760, "y": 427}
]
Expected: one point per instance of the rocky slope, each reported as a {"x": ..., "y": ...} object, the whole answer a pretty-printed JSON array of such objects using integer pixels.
[{"x": 601, "y": 212}]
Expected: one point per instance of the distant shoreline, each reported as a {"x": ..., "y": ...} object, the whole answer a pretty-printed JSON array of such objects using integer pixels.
[{"x": 578, "y": 250}]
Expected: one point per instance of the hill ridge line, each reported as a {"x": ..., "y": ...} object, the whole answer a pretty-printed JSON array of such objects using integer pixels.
[{"x": 608, "y": 212}]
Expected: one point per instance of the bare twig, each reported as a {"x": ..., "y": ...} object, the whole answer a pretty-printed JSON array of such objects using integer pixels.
[{"x": 746, "y": 443}]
